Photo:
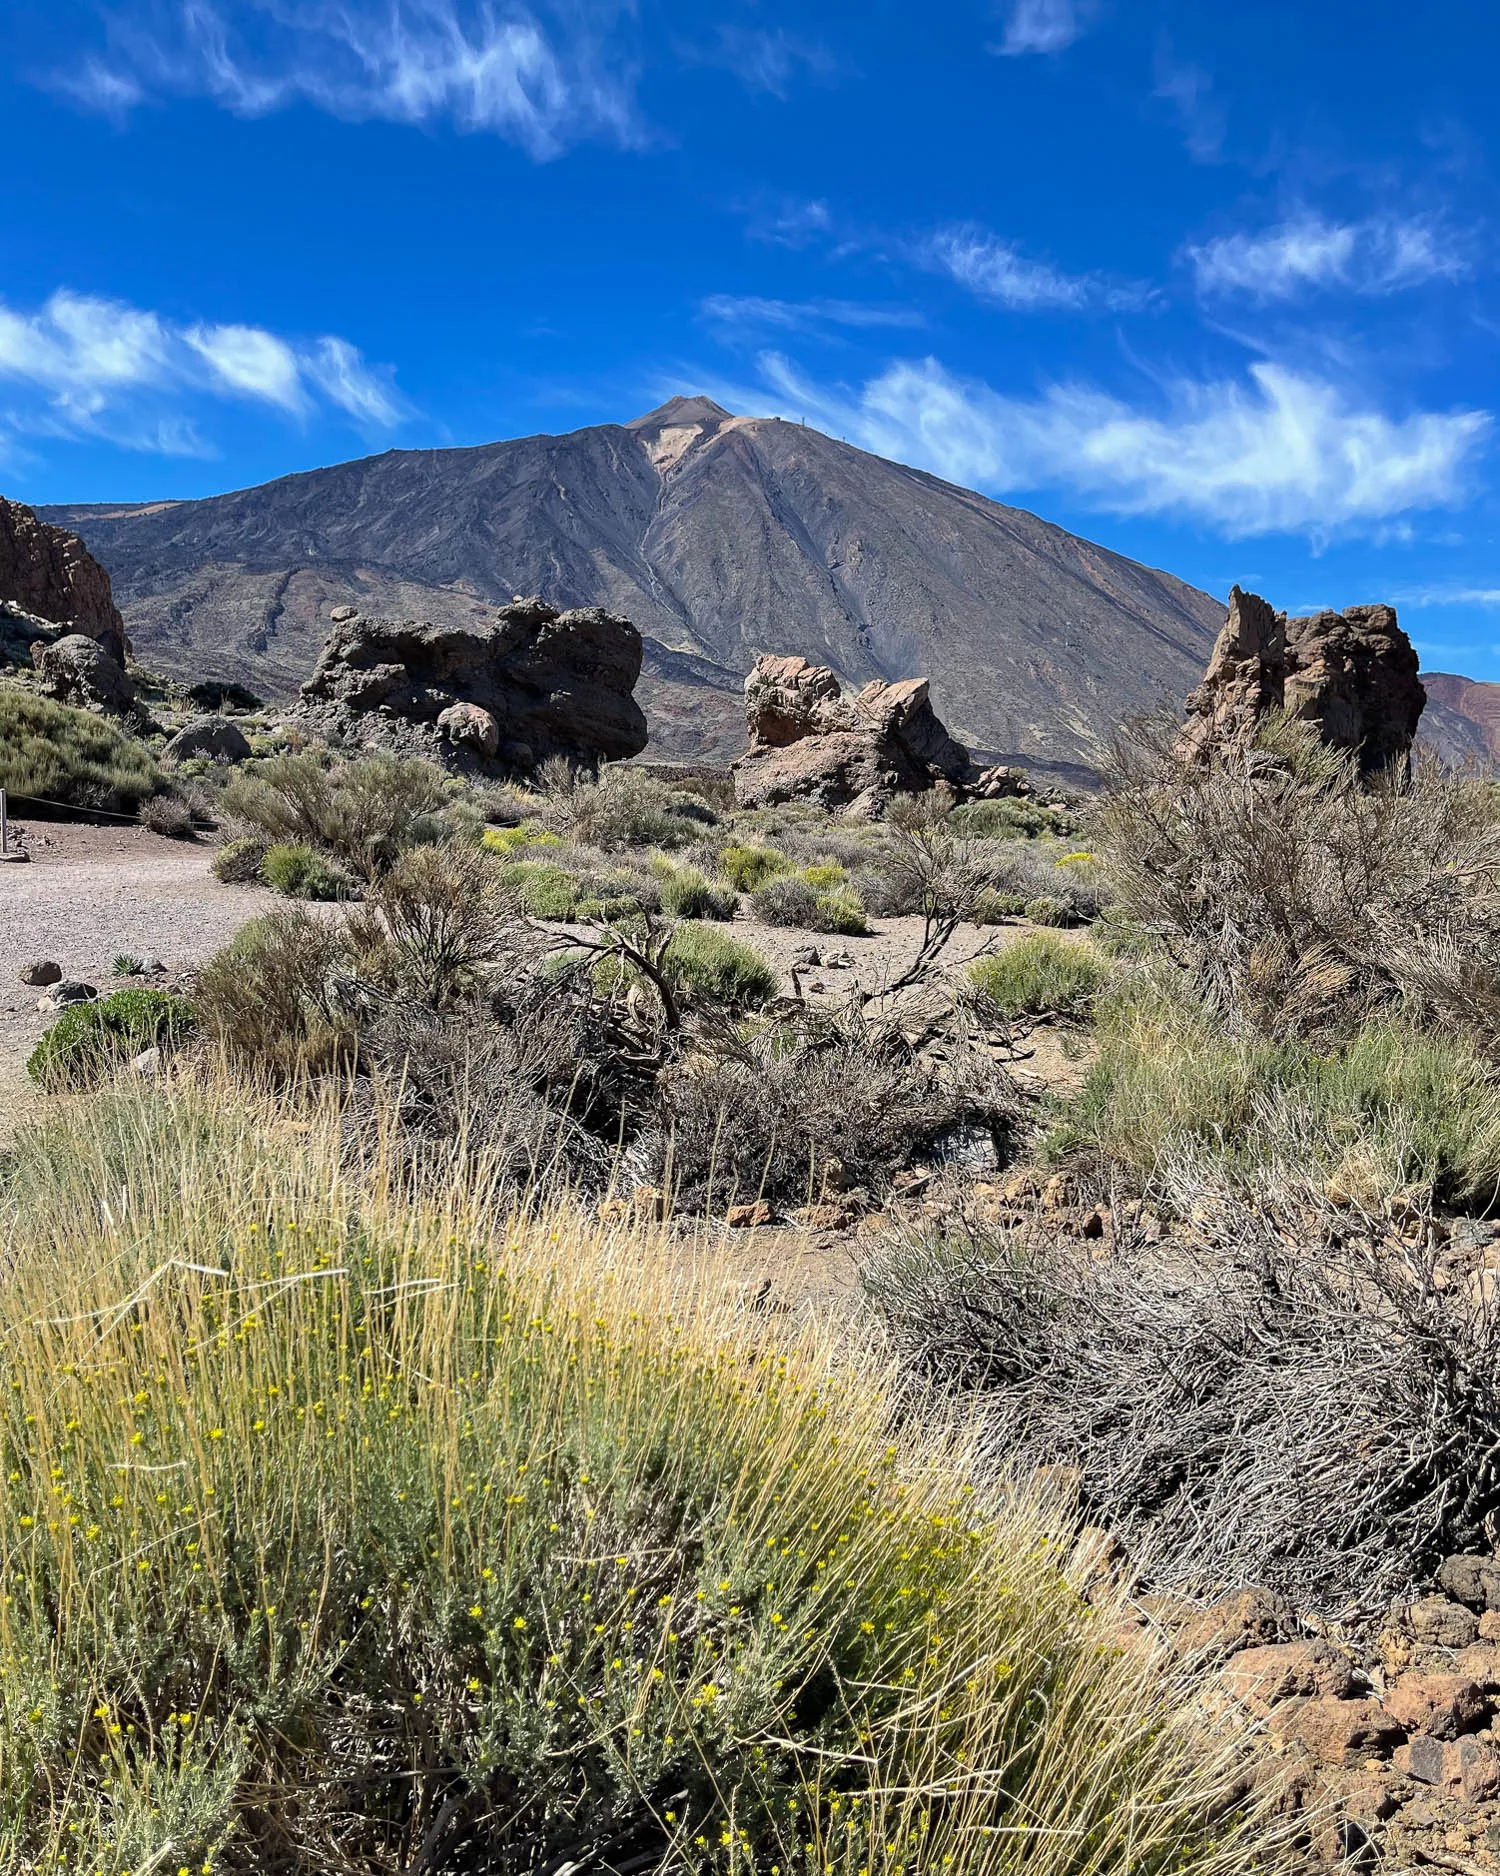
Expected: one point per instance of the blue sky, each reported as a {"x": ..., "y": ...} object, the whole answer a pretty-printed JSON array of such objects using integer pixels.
[{"x": 1212, "y": 285}]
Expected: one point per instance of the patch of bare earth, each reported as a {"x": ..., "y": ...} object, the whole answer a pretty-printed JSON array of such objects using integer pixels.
[{"x": 88, "y": 895}]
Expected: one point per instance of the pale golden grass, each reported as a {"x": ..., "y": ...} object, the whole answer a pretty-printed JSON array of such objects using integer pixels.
[{"x": 336, "y": 1518}]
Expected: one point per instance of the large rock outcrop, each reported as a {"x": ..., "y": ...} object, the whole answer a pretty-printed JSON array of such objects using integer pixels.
[
  {"x": 49, "y": 572},
  {"x": 1351, "y": 674},
  {"x": 504, "y": 693},
  {"x": 809, "y": 742},
  {"x": 77, "y": 670}
]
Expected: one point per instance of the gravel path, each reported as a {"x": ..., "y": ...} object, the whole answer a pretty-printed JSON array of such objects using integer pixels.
[{"x": 89, "y": 894}]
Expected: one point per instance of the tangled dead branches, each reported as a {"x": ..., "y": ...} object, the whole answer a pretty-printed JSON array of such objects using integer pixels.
[{"x": 1303, "y": 1400}]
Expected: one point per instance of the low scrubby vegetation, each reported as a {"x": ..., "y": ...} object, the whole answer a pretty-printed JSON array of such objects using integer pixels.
[
  {"x": 53, "y": 755},
  {"x": 1040, "y": 975},
  {"x": 352, "y": 1529},
  {"x": 90, "y": 1039}
]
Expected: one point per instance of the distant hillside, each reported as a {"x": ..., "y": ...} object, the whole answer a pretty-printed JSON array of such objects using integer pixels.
[
  {"x": 721, "y": 536},
  {"x": 1462, "y": 718}
]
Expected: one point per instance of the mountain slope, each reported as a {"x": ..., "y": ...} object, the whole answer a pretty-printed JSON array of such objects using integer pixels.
[
  {"x": 1462, "y": 719},
  {"x": 721, "y": 537}
]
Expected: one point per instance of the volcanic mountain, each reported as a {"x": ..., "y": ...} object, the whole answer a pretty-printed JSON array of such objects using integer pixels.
[{"x": 721, "y": 537}]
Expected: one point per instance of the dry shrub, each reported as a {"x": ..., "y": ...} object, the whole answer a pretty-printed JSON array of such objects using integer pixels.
[
  {"x": 364, "y": 813},
  {"x": 1299, "y": 899},
  {"x": 268, "y": 997},
  {"x": 1297, "y": 1398},
  {"x": 434, "y": 920}
]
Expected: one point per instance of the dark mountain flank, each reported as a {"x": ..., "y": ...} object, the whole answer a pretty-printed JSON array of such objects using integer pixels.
[{"x": 721, "y": 537}]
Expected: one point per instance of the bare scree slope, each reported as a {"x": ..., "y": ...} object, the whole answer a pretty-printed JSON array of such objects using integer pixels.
[{"x": 721, "y": 537}]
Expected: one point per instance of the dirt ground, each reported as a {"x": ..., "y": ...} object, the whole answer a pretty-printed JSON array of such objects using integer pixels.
[{"x": 88, "y": 894}]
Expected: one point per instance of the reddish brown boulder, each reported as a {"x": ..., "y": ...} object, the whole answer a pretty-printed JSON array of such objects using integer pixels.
[
  {"x": 809, "y": 742},
  {"x": 1339, "y": 1732},
  {"x": 1241, "y": 1619},
  {"x": 1440, "y": 1705},
  {"x": 1352, "y": 675},
  {"x": 49, "y": 573},
  {"x": 1283, "y": 1670}
]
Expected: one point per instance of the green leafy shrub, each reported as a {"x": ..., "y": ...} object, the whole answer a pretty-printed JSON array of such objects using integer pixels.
[
  {"x": 49, "y": 752},
  {"x": 237, "y": 862},
  {"x": 748, "y": 868},
  {"x": 688, "y": 893},
  {"x": 1010, "y": 819},
  {"x": 543, "y": 891},
  {"x": 90, "y": 1039},
  {"x": 301, "y": 872},
  {"x": 1040, "y": 975},
  {"x": 709, "y": 964},
  {"x": 363, "y": 812},
  {"x": 824, "y": 875}
]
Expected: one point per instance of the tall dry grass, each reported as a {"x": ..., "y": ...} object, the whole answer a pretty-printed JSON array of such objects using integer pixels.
[{"x": 343, "y": 1529}]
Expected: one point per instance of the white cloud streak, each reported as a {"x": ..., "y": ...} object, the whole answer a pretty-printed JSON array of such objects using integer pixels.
[
  {"x": 996, "y": 271},
  {"x": 1280, "y": 453},
  {"x": 746, "y": 312},
  {"x": 481, "y": 66},
  {"x": 1042, "y": 26},
  {"x": 95, "y": 362},
  {"x": 1378, "y": 255}
]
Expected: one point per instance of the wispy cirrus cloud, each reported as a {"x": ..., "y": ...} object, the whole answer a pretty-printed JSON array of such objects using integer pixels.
[
  {"x": 768, "y": 59},
  {"x": 748, "y": 312},
  {"x": 1188, "y": 91},
  {"x": 92, "y": 366},
  {"x": 995, "y": 270},
  {"x": 1274, "y": 452},
  {"x": 483, "y": 67},
  {"x": 1043, "y": 26},
  {"x": 1308, "y": 253}
]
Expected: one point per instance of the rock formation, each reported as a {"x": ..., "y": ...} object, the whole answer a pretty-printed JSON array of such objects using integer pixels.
[
  {"x": 49, "y": 572},
  {"x": 506, "y": 692},
  {"x": 1351, "y": 674},
  {"x": 809, "y": 742},
  {"x": 78, "y": 670},
  {"x": 213, "y": 737}
]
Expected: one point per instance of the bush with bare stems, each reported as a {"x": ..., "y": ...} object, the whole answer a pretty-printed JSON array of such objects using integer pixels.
[
  {"x": 1298, "y": 899},
  {"x": 1300, "y": 1398}
]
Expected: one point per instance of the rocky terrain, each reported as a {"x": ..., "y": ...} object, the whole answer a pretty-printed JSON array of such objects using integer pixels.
[
  {"x": 1462, "y": 720},
  {"x": 46, "y": 571},
  {"x": 721, "y": 537}
]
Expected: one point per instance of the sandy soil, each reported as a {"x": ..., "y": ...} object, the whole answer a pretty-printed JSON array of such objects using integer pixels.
[{"x": 89, "y": 894}]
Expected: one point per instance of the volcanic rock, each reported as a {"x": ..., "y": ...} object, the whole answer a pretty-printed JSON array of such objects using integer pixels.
[
  {"x": 1351, "y": 674},
  {"x": 809, "y": 742},
  {"x": 214, "y": 737},
  {"x": 79, "y": 671},
  {"x": 49, "y": 572},
  {"x": 512, "y": 689}
]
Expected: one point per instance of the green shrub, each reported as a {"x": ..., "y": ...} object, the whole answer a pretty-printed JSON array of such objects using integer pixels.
[
  {"x": 49, "y": 752},
  {"x": 542, "y": 891},
  {"x": 1010, "y": 819},
  {"x": 823, "y": 875},
  {"x": 363, "y": 812},
  {"x": 450, "y": 1535},
  {"x": 90, "y": 1039},
  {"x": 512, "y": 840},
  {"x": 1394, "y": 1108},
  {"x": 790, "y": 900},
  {"x": 1047, "y": 909},
  {"x": 126, "y": 964},
  {"x": 993, "y": 907},
  {"x": 1040, "y": 975},
  {"x": 237, "y": 862},
  {"x": 301, "y": 872},
  {"x": 748, "y": 868},
  {"x": 626, "y": 808},
  {"x": 687, "y": 893},
  {"x": 708, "y": 964}
]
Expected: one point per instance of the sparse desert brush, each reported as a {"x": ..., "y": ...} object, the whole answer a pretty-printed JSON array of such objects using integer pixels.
[
  {"x": 625, "y": 807},
  {"x": 1172, "y": 1099},
  {"x": 690, "y": 894},
  {"x": 51, "y": 753},
  {"x": 1040, "y": 975},
  {"x": 1299, "y": 898},
  {"x": 345, "y": 1530},
  {"x": 363, "y": 812},
  {"x": 717, "y": 968},
  {"x": 301, "y": 872}
]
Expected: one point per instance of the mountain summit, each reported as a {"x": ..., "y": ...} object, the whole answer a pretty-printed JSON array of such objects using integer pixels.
[{"x": 722, "y": 537}]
